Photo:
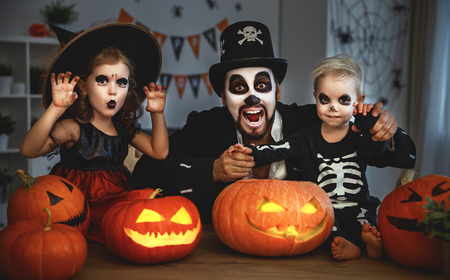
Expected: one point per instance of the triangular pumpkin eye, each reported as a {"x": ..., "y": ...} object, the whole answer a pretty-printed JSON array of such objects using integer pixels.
[
  {"x": 149, "y": 216},
  {"x": 182, "y": 217},
  {"x": 311, "y": 207},
  {"x": 54, "y": 199},
  {"x": 267, "y": 205}
]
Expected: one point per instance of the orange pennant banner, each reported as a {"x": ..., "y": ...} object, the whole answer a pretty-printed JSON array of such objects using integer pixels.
[
  {"x": 180, "y": 82},
  {"x": 205, "y": 77},
  {"x": 222, "y": 25},
  {"x": 160, "y": 37},
  {"x": 124, "y": 16},
  {"x": 194, "y": 41}
]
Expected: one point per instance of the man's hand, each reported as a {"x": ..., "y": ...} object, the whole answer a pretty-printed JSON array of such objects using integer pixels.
[
  {"x": 385, "y": 127},
  {"x": 231, "y": 167}
]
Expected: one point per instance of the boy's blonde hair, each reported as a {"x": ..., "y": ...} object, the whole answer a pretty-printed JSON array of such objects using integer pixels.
[{"x": 342, "y": 67}]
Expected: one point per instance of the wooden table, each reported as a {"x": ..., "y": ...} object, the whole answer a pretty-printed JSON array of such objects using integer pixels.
[{"x": 211, "y": 259}]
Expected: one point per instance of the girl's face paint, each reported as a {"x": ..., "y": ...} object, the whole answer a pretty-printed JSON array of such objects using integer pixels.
[
  {"x": 334, "y": 100},
  {"x": 107, "y": 88},
  {"x": 250, "y": 95}
]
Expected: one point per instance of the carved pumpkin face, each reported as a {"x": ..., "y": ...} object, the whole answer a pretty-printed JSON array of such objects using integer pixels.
[
  {"x": 399, "y": 216},
  {"x": 65, "y": 201},
  {"x": 273, "y": 217},
  {"x": 152, "y": 230}
]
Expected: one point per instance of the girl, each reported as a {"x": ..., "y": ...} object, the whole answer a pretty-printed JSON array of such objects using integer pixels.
[{"x": 94, "y": 125}]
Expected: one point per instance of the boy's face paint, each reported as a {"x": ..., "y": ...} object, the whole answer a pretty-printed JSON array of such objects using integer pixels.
[
  {"x": 107, "y": 88},
  {"x": 334, "y": 100},
  {"x": 250, "y": 96}
]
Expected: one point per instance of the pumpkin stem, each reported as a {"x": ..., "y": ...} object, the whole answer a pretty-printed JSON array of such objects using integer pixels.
[
  {"x": 406, "y": 177},
  {"x": 154, "y": 193},
  {"x": 27, "y": 180},
  {"x": 49, "y": 218}
]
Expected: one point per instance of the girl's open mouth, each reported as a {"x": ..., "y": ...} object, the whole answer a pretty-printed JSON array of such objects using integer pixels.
[{"x": 112, "y": 104}]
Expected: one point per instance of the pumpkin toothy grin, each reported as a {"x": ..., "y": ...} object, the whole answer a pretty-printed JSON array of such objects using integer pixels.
[
  {"x": 79, "y": 219},
  {"x": 290, "y": 231},
  {"x": 158, "y": 240}
]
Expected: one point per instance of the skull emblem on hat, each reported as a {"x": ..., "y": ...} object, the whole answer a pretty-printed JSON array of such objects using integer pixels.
[{"x": 250, "y": 34}]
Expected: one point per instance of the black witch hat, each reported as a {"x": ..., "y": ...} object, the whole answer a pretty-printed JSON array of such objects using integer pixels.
[{"x": 136, "y": 42}]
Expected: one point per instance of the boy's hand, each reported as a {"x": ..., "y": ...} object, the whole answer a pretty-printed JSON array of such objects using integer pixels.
[
  {"x": 361, "y": 107},
  {"x": 239, "y": 148},
  {"x": 156, "y": 98},
  {"x": 62, "y": 90}
]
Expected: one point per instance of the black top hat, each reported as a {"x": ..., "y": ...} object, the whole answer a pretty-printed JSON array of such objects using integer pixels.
[
  {"x": 136, "y": 42},
  {"x": 245, "y": 44}
]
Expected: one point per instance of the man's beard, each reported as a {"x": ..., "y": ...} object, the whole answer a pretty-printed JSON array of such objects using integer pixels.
[{"x": 253, "y": 135}]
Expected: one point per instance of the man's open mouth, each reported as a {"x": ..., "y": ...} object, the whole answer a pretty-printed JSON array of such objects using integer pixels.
[
  {"x": 112, "y": 104},
  {"x": 254, "y": 116}
]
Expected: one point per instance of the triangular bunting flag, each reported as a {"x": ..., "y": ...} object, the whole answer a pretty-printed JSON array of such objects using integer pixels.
[
  {"x": 194, "y": 41},
  {"x": 125, "y": 17},
  {"x": 177, "y": 44},
  {"x": 222, "y": 25},
  {"x": 194, "y": 80},
  {"x": 180, "y": 82},
  {"x": 205, "y": 77},
  {"x": 210, "y": 36},
  {"x": 143, "y": 25},
  {"x": 160, "y": 37},
  {"x": 165, "y": 79}
]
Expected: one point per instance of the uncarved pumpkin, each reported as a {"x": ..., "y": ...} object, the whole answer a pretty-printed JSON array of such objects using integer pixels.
[
  {"x": 399, "y": 218},
  {"x": 31, "y": 249},
  {"x": 64, "y": 199},
  {"x": 152, "y": 230},
  {"x": 273, "y": 217}
]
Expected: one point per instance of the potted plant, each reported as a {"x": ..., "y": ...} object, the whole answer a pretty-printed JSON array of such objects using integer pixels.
[
  {"x": 7, "y": 127},
  {"x": 59, "y": 14},
  {"x": 6, "y": 78},
  {"x": 437, "y": 225}
]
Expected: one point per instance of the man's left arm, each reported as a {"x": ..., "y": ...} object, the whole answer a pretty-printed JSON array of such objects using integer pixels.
[{"x": 401, "y": 151}]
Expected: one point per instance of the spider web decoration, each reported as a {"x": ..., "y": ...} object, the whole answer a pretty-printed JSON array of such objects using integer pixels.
[{"x": 374, "y": 33}]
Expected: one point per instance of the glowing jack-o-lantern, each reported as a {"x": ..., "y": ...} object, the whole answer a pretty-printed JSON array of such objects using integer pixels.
[
  {"x": 273, "y": 217},
  {"x": 399, "y": 218},
  {"x": 152, "y": 230},
  {"x": 66, "y": 202}
]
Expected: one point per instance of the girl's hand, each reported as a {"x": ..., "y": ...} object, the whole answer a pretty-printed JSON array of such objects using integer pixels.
[
  {"x": 62, "y": 90},
  {"x": 156, "y": 98}
]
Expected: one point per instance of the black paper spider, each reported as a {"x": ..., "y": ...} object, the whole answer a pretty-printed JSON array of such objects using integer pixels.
[
  {"x": 212, "y": 4},
  {"x": 238, "y": 6},
  {"x": 346, "y": 37},
  {"x": 399, "y": 8},
  {"x": 176, "y": 11}
]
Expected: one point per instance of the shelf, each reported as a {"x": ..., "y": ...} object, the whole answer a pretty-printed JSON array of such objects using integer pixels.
[{"x": 22, "y": 52}]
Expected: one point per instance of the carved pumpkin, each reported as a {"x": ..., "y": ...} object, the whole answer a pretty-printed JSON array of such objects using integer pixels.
[
  {"x": 38, "y": 30},
  {"x": 152, "y": 230},
  {"x": 35, "y": 250},
  {"x": 64, "y": 199},
  {"x": 399, "y": 216},
  {"x": 273, "y": 217}
]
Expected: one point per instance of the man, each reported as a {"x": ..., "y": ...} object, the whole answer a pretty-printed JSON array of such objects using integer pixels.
[{"x": 247, "y": 79}]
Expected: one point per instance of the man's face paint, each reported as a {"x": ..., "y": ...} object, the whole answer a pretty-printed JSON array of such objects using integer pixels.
[{"x": 250, "y": 96}]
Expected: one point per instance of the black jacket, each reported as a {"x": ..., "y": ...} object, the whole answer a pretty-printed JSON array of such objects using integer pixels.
[{"x": 188, "y": 168}]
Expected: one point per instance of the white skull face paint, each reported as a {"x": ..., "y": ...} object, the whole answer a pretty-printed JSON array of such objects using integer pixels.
[{"x": 250, "y": 95}]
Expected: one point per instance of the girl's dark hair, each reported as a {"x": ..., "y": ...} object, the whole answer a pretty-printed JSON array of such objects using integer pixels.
[{"x": 132, "y": 107}]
